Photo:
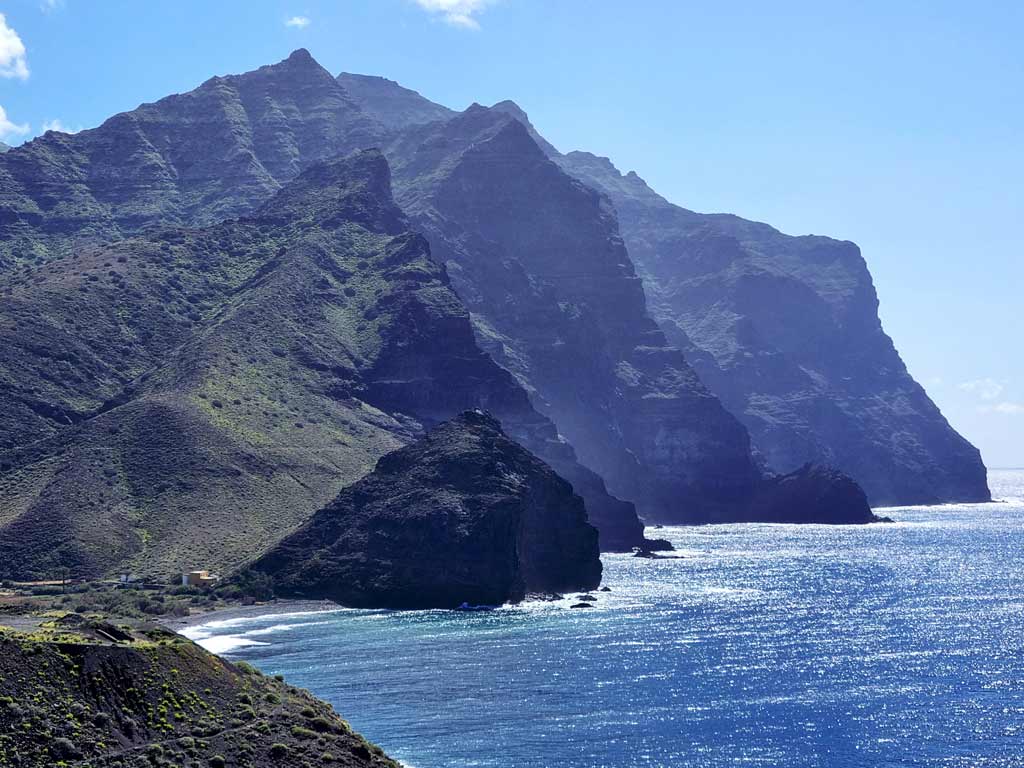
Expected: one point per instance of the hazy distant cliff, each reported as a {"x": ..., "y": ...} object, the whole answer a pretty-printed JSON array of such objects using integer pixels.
[{"x": 786, "y": 331}]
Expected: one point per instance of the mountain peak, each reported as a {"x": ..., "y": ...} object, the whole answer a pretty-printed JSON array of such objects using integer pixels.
[{"x": 301, "y": 56}]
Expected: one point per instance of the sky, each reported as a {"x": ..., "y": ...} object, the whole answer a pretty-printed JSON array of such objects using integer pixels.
[{"x": 899, "y": 126}]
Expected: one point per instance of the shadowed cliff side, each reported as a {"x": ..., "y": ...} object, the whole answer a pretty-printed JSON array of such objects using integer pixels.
[{"x": 463, "y": 514}]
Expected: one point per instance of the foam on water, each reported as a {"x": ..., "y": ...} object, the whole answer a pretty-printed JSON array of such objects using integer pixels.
[{"x": 781, "y": 646}]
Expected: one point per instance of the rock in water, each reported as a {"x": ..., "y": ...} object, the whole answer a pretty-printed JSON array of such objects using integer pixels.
[
  {"x": 801, "y": 496},
  {"x": 463, "y": 515}
]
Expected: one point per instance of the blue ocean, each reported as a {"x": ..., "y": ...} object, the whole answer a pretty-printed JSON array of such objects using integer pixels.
[{"x": 761, "y": 645}]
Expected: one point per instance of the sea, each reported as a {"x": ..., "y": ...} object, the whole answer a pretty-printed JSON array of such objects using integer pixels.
[{"x": 780, "y": 646}]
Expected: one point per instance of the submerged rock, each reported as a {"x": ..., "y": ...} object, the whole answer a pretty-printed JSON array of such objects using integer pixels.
[{"x": 463, "y": 515}]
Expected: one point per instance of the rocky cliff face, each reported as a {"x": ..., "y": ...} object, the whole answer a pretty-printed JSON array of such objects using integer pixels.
[
  {"x": 537, "y": 258},
  {"x": 785, "y": 330},
  {"x": 192, "y": 396},
  {"x": 462, "y": 515}
]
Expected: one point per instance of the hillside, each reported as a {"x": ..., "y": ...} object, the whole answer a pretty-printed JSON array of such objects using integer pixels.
[
  {"x": 187, "y": 398},
  {"x": 85, "y": 692}
]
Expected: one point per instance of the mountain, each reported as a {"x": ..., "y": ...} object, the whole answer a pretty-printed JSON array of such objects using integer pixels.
[
  {"x": 190, "y": 159},
  {"x": 463, "y": 514},
  {"x": 785, "y": 330},
  {"x": 187, "y": 398},
  {"x": 80, "y": 692},
  {"x": 136, "y": 317},
  {"x": 537, "y": 258},
  {"x": 3, "y": 147}
]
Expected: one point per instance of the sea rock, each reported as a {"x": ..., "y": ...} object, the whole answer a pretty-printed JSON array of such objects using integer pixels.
[
  {"x": 800, "y": 497},
  {"x": 462, "y": 515}
]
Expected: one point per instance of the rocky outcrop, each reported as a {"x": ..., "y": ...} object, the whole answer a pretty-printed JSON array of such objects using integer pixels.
[
  {"x": 196, "y": 394},
  {"x": 462, "y": 515},
  {"x": 801, "y": 495},
  {"x": 785, "y": 330}
]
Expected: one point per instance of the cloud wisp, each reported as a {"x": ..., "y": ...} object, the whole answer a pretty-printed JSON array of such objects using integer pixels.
[
  {"x": 986, "y": 389},
  {"x": 13, "y": 61},
  {"x": 57, "y": 125},
  {"x": 458, "y": 13},
  {"x": 9, "y": 128},
  {"x": 297, "y": 22},
  {"x": 1006, "y": 409}
]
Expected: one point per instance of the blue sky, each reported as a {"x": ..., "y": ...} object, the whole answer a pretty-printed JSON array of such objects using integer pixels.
[{"x": 897, "y": 125}]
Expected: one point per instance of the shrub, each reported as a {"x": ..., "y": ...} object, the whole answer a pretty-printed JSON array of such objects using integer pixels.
[
  {"x": 218, "y": 761},
  {"x": 279, "y": 751},
  {"x": 65, "y": 749}
]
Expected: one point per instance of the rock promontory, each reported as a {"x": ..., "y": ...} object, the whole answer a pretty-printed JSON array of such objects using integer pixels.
[{"x": 462, "y": 515}]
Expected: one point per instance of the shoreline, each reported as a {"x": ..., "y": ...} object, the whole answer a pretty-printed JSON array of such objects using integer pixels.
[{"x": 180, "y": 623}]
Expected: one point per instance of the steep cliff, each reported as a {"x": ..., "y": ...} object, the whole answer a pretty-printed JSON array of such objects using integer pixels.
[
  {"x": 785, "y": 330},
  {"x": 89, "y": 328},
  {"x": 537, "y": 258},
  {"x": 463, "y": 514}
]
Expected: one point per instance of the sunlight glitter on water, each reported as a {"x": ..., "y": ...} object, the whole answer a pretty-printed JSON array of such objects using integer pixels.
[{"x": 782, "y": 646}]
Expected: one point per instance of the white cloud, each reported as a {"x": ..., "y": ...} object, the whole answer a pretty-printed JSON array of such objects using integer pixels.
[
  {"x": 1007, "y": 409},
  {"x": 299, "y": 22},
  {"x": 48, "y": 6},
  {"x": 458, "y": 13},
  {"x": 8, "y": 129},
  {"x": 986, "y": 389},
  {"x": 57, "y": 125},
  {"x": 12, "y": 53}
]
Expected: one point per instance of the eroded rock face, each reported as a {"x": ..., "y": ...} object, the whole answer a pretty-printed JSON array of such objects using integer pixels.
[
  {"x": 218, "y": 151},
  {"x": 785, "y": 330},
  {"x": 463, "y": 514}
]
